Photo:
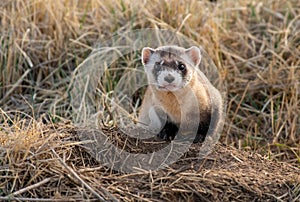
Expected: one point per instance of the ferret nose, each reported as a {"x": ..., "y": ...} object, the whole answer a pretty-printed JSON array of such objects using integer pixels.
[{"x": 169, "y": 78}]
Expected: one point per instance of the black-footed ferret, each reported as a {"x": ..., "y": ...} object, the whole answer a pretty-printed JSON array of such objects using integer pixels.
[{"x": 173, "y": 77}]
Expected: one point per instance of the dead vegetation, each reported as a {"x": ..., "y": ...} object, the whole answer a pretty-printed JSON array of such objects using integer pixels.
[
  {"x": 49, "y": 162},
  {"x": 256, "y": 47}
]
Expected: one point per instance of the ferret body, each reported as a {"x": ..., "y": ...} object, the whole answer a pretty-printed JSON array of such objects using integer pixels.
[{"x": 180, "y": 90}]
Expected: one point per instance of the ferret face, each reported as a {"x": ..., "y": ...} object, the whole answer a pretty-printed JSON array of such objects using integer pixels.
[{"x": 170, "y": 68}]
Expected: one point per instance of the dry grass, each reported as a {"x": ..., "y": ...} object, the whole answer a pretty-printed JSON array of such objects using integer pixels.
[
  {"x": 52, "y": 165},
  {"x": 255, "y": 45}
]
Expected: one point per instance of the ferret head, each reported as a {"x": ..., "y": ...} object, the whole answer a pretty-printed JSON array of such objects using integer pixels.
[{"x": 170, "y": 68}]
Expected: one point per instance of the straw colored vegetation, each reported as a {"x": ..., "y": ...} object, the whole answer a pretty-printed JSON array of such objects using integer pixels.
[{"x": 254, "y": 44}]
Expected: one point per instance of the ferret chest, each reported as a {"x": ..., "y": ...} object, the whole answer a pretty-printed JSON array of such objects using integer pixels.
[
  {"x": 172, "y": 105},
  {"x": 184, "y": 105}
]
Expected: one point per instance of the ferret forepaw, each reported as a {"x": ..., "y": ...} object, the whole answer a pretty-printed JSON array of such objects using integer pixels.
[{"x": 165, "y": 136}]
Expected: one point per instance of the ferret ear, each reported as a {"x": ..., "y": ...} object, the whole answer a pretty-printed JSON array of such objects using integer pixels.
[
  {"x": 146, "y": 53},
  {"x": 194, "y": 54}
]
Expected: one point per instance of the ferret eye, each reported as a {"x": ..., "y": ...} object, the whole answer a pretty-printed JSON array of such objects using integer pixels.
[
  {"x": 157, "y": 67},
  {"x": 181, "y": 67}
]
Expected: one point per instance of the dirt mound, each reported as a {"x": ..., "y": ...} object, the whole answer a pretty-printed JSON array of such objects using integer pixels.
[{"x": 49, "y": 163}]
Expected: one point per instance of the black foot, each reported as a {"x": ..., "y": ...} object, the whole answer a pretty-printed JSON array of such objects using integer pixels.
[
  {"x": 199, "y": 138},
  {"x": 164, "y": 136},
  {"x": 168, "y": 132}
]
